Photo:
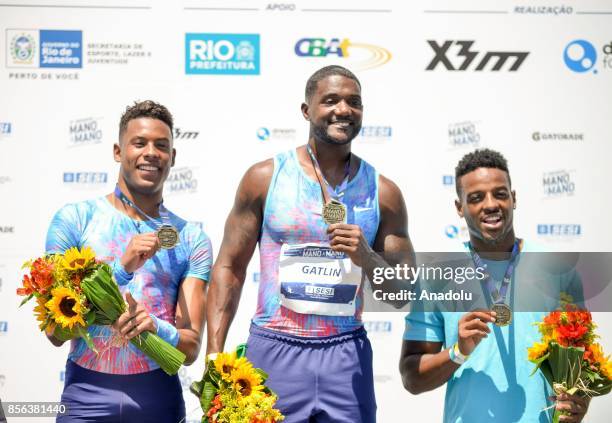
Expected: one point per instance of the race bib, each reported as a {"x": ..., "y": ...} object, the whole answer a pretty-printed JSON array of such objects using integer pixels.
[{"x": 314, "y": 279}]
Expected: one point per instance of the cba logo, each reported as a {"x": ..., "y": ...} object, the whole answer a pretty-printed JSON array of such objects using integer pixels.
[
  {"x": 448, "y": 180},
  {"x": 263, "y": 134},
  {"x": 222, "y": 54},
  {"x": 366, "y": 56},
  {"x": 580, "y": 56},
  {"x": 469, "y": 55},
  {"x": 45, "y": 48}
]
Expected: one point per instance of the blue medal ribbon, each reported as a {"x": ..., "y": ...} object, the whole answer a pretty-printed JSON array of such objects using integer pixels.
[
  {"x": 498, "y": 295},
  {"x": 163, "y": 212},
  {"x": 334, "y": 193}
]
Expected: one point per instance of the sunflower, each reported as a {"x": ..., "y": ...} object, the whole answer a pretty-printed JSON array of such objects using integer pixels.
[
  {"x": 537, "y": 351},
  {"x": 246, "y": 380},
  {"x": 41, "y": 312},
  {"x": 76, "y": 260},
  {"x": 225, "y": 363},
  {"x": 65, "y": 307}
]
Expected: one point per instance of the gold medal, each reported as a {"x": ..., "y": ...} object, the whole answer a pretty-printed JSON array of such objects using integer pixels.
[
  {"x": 334, "y": 212},
  {"x": 168, "y": 236},
  {"x": 504, "y": 314}
]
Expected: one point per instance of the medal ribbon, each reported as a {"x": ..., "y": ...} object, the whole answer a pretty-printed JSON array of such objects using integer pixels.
[
  {"x": 498, "y": 296},
  {"x": 163, "y": 213},
  {"x": 338, "y": 192}
]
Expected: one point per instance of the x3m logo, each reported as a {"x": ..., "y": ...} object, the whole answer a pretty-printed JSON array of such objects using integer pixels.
[{"x": 499, "y": 58}]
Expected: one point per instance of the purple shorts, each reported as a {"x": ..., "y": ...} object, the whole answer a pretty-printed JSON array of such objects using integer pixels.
[
  {"x": 326, "y": 379},
  {"x": 92, "y": 396}
]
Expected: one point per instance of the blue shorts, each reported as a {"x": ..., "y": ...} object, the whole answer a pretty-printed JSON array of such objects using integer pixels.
[
  {"x": 92, "y": 396},
  {"x": 326, "y": 379}
]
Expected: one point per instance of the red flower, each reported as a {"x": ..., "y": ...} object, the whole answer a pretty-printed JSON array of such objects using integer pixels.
[
  {"x": 40, "y": 278},
  {"x": 571, "y": 334}
]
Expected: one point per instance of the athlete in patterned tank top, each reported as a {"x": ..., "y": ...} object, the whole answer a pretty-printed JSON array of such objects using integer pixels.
[{"x": 307, "y": 332}]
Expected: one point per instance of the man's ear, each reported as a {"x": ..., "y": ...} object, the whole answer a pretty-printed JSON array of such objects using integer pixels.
[
  {"x": 513, "y": 198},
  {"x": 459, "y": 208},
  {"x": 305, "y": 113},
  {"x": 173, "y": 157},
  {"x": 117, "y": 151}
]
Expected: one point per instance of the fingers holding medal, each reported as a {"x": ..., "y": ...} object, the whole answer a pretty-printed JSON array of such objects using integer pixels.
[
  {"x": 140, "y": 248},
  {"x": 473, "y": 327}
]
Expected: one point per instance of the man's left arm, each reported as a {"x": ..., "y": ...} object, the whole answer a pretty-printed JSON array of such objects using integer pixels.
[
  {"x": 392, "y": 245},
  {"x": 190, "y": 313}
]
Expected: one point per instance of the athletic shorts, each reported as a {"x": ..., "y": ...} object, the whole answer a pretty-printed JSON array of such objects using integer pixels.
[
  {"x": 92, "y": 396},
  {"x": 327, "y": 379}
]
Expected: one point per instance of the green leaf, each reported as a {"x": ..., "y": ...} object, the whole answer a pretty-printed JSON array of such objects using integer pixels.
[
  {"x": 208, "y": 395},
  {"x": 196, "y": 388},
  {"x": 83, "y": 333},
  {"x": 90, "y": 318},
  {"x": 262, "y": 374},
  {"x": 241, "y": 350},
  {"x": 26, "y": 299}
]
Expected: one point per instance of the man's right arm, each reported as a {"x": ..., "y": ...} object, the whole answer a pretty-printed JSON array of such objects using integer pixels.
[
  {"x": 425, "y": 366},
  {"x": 242, "y": 230}
]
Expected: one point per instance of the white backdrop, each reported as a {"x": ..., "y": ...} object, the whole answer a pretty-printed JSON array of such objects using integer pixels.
[{"x": 57, "y": 125}]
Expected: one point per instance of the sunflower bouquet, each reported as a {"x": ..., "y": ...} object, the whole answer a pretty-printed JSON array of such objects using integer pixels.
[
  {"x": 74, "y": 291},
  {"x": 568, "y": 356},
  {"x": 233, "y": 391}
]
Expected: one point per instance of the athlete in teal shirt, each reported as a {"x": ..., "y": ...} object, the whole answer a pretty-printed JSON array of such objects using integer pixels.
[{"x": 493, "y": 384}]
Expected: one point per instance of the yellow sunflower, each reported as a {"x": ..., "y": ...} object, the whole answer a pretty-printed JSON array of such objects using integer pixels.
[
  {"x": 65, "y": 307},
  {"x": 225, "y": 363},
  {"x": 75, "y": 260},
  {"x": 41, "y": 312},
  {"x": 246, "y": 380},
  {"x": 537, "y": 351}
]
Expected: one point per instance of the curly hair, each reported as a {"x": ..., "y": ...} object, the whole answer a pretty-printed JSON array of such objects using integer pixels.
[
  {"x": 148, "y": 109},
  {"x": 311, "y": 84},
  {"x": 483, "y": 157}
]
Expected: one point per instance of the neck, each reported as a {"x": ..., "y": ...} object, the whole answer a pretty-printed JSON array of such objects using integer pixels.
[
  {"x": 331, "y": 158},
  {"x": 149, "y": 203},
  {"x": 501, "y": 250}
]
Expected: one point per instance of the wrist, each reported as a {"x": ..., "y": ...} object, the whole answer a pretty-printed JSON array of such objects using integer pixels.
[
  {"x": 122, "y": 276},
  {"x": 165, "y": 330},
  {"x": 456, "y": 356}
]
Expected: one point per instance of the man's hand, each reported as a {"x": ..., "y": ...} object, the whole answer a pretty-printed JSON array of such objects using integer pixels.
[
  {"x": 141, "y": 248},
  {"x": 473, "y": 328},
  {"x": 135, "y": 320},
  {"x": 575, "y": 406},
  {"x": 349, "y": 239}
]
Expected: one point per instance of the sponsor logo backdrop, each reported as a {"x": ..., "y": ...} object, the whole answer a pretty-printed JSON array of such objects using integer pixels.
[{"x": 529, "y": 80}]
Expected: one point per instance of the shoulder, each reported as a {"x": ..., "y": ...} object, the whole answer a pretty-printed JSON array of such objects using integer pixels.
[
  {"x": 390, "y": 196},
  {"x": 256, "y": 180},
  {"x": 80, "y": 210}
]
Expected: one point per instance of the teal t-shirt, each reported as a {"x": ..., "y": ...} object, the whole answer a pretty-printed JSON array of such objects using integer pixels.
[{"x": 494, "y": 384}]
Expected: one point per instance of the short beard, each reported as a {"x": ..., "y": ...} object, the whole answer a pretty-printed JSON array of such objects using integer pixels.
[{"x": 321, "y": 134}]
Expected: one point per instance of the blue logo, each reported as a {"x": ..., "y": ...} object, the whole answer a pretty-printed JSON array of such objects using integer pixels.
[
  {"x": 5, "y": 128},
  {"x": 580, "y": 56},
  {"x": 263, "y": 134},
  {"x": 448, "y": 180},
  {"x": 85, "y": 177},
  {"x": 222, "y": 54},
  {"x": 559, "y": 230},
  {"x": 375, "y": 133},
  {"x": 452, "y": 231},
  {"x": 62, "y": 375},
  {"x": 61, "y": 49},
  {"x": 256, "y": 276},
  {"x": 3, "y": 327}
]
